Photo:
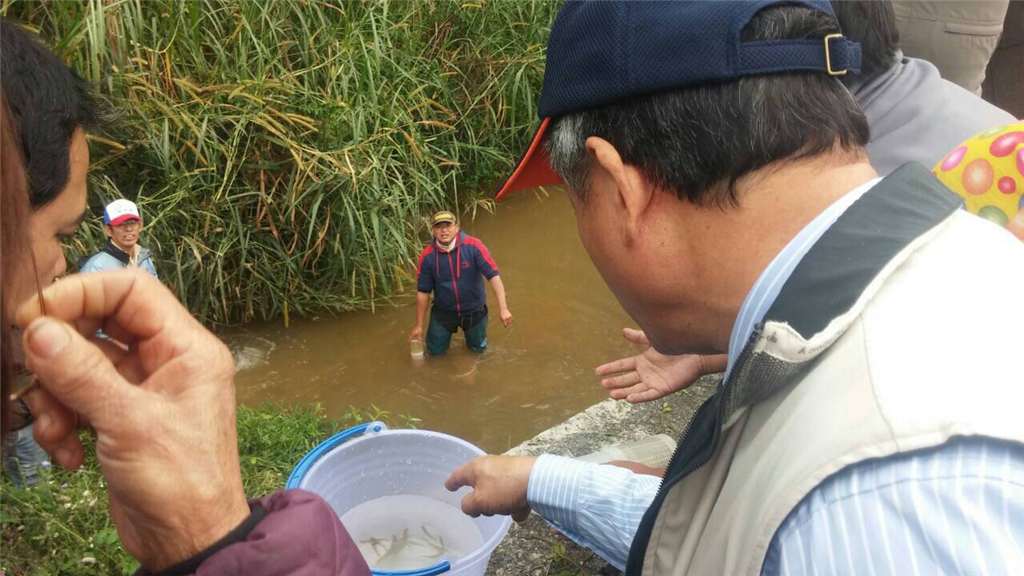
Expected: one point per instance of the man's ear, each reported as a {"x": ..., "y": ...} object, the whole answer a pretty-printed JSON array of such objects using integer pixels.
[
  {"x": 635, "y": 193},
  {"x": 108, "y": 231}
]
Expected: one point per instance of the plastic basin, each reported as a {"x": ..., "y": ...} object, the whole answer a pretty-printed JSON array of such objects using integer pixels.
[{"x": 370, "y": 461}]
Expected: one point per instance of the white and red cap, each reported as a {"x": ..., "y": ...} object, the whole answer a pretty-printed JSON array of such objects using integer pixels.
[{"x": 120, "y": 211}]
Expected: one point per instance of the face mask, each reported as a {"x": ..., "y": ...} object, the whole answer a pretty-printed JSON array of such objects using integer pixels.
[{"x": 447, "y": 247}]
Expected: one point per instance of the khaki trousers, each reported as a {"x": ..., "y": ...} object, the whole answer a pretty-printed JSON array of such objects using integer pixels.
[{"x": 958, "y": 37}]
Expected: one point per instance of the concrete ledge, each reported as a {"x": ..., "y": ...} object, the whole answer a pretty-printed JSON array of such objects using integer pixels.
[{"x": 531, "y": 548}]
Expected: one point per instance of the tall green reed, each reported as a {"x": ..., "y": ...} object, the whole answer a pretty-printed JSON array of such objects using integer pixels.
[{"x": 284, "y": 152}]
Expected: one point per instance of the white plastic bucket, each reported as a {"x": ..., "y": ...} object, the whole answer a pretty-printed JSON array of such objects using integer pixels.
[{"x": 347, "y": 470}]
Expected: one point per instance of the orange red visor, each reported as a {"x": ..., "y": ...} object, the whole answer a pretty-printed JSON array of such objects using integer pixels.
[{"x": 533, "y": 169}]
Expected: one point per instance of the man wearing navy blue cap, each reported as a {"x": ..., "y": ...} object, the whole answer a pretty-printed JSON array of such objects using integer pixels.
[
  {"x": 914, "y": 114},
  {"x": 717, "y": 170}
]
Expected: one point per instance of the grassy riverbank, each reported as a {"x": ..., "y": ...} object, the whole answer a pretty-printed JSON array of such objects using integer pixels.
[
  {"x": 284, "y": 153},
  {"x": 63, "y": 527}
]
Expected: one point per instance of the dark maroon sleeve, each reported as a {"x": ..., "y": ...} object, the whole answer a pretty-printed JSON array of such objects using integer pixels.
[{"x": 300, "y": 536}]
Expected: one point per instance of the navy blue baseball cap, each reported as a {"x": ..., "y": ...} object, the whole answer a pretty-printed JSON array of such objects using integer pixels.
[{"x": 602, "y": 51}]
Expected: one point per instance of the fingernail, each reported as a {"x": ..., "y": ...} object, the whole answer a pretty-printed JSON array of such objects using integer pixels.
[
  {"x": 47, "y": 338},
  {"x": 43, "y": 423},
  {"x": 63, "y": 457}
]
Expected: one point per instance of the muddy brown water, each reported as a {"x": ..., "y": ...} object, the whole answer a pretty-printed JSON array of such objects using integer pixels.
[{"x": 534, "y": 374}]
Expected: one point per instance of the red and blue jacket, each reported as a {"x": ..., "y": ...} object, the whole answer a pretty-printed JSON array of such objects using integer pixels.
[{"x": 456, "y": 278}]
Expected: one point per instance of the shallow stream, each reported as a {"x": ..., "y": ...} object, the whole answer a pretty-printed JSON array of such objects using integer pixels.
[{"x": 534, "y": 375}]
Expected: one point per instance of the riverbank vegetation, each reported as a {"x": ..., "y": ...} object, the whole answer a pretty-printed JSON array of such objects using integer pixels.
[
  {"x": 285, "y": 153},
  {"x": 62, "y": 526}
]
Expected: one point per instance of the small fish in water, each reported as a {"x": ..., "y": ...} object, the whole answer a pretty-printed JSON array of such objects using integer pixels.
[
  {"x": 394, "y": 550},
  {"x": 410, "y": 532},
  {"x": 376, "y": 544},
  {"x": 434, "y": 542},
  {"x": 389, "y": 552}
]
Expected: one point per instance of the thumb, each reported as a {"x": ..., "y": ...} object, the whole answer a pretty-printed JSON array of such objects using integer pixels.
[
  {"x": 521, "y": 514},
  {"x": 75, "y": 371},
  {"x": 635, "y": 336}
]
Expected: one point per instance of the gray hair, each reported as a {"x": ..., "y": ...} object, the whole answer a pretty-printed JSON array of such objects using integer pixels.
[
  {"x": 699, "y": 141},
  {"x": 566, "y": 145}
]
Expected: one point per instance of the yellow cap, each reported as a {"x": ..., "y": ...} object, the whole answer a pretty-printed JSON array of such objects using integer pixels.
[{"x": 442, "y": 216}]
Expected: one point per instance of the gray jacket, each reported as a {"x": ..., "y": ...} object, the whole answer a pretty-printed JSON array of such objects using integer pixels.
[
  {"x": 113, "y": 258},
  {"x": 916, "y": 116}
]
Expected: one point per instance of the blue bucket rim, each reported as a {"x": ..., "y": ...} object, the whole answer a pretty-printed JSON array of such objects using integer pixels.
[{"x": 298, "y": 473}]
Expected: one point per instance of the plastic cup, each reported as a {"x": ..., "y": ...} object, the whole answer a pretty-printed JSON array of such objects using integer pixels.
[{"x": 416, "y": 348}]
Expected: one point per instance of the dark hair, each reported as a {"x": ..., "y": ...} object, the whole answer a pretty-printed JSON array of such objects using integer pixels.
[
  {"x": 873, "y": 24},
  {"x": 48, "y": 102},
  {"x": 699, "y": 141},
  {"x": 14, "y": 241}
]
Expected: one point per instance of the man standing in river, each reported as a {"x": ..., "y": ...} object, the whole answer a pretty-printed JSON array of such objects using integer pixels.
[{"x": 453, "y": 267}]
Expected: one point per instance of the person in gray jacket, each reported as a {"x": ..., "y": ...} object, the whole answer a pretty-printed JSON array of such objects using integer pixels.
[
  {"x": 122, "y": 224},
  {"x": 914, "y": 114}
]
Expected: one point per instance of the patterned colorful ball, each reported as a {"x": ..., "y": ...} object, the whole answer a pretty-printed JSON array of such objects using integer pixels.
[{"x": 988, "y": 171}]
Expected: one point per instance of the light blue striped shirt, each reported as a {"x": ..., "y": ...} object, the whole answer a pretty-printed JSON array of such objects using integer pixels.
[
  {"x": 954, "y": 509},
  {"x": 601, "y": 507}
]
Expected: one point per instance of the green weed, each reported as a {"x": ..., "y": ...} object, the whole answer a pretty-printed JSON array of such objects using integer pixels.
[{"x": 284, "y": 153}]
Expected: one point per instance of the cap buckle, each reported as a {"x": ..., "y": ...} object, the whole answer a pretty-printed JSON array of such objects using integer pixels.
[{"x": 828, "y": 57}]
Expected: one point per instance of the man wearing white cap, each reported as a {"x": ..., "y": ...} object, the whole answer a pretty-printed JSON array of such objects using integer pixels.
[{"x": 123, "y": 225}]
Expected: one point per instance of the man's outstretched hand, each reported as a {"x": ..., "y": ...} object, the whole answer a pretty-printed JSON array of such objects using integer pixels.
[{"x": 651, "y": 374}]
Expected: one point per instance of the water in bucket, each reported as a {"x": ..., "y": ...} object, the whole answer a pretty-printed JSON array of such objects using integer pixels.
[
  {"x": 388, "y": 489},
  {"x": 407, "y": 532}
]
